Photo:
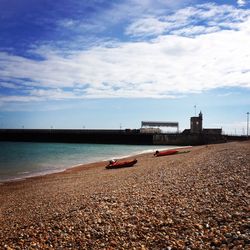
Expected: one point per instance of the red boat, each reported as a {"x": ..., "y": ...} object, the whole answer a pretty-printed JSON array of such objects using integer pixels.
[
  {"x": 165, "y": 152},
  {"x": 121, "y": 164}
]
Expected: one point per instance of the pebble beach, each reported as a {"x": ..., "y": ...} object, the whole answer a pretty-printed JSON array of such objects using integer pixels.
[{"x": 196, "y": 200}]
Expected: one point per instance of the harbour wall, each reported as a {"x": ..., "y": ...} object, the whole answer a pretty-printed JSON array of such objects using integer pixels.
[
  {"x": 187, "y": 139},
  {"x": 76, "y": 136},
  {"x": 237, "y": 137},
  {"x": 133, "y": 137}
]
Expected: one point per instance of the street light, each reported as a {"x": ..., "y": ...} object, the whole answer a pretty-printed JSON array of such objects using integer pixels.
[{"x": 247, "y": 122}]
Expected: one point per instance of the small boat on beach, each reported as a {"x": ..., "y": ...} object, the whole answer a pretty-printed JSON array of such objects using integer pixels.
[
  {"x": 165, "y": 152},
  {"x": 169, "y": 152},
  {"x": 121, "y": 164}
]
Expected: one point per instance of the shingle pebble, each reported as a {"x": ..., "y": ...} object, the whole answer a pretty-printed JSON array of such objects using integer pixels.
[{"x": 189, "y": 201}]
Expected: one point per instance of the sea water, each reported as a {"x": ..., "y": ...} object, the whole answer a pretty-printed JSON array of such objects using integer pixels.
[{"x": 20, "y": 160}]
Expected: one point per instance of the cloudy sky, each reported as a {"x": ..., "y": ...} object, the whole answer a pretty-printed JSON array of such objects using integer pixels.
[{"x": 111, "y": 64}]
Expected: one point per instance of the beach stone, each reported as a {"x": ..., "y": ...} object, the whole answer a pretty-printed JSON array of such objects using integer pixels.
[{"x": 189, "y": 201}]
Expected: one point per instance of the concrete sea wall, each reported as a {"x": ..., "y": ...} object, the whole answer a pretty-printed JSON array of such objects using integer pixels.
[
  {"x": 106, "y": 137},
  {"x": 187, "y": 139},
  {"x": 76, "y": 136}
]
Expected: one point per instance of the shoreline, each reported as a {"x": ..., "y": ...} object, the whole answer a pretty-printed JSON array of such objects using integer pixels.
[
  {"x": 104, "y": 160},
  {"x": 197, "y": 200}
]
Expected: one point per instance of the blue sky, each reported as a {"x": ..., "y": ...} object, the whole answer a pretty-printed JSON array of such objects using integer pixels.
[{"x": 111, "y": 64}]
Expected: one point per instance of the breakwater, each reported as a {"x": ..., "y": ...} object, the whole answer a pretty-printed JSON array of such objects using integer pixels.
[
  {"x": 76, "y": 136},
  {"x": 127, "y": 136}
]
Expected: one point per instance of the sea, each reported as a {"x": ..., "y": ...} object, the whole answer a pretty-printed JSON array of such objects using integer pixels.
[{"x": 20, "y": 160}]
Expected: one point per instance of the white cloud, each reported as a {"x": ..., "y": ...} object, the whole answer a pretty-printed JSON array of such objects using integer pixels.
[
  {"x": 189, "y": 59},
  {"x": 211, "y": 16},
  {"x": 54, "y": 94},
  {"x": 130, "y": 9},
  {"x": 16, "y": 98},
  {"x": 79, "y": 26},
  {"x": 195, "y": 30},
  {"x": 8, "y": 85},
  {"x": 147, "y": 26},
  {"x": 241, "y": 2},
  {"x": 117, "y": 13}
]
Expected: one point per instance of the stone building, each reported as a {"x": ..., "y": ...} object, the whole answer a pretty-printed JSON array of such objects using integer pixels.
[
  {"x": 196, "y": 127},
  {"x": 196, "y": 124}
]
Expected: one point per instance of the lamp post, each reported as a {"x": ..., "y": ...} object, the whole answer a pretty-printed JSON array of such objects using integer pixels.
[{"x": 247, "y": 122}]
